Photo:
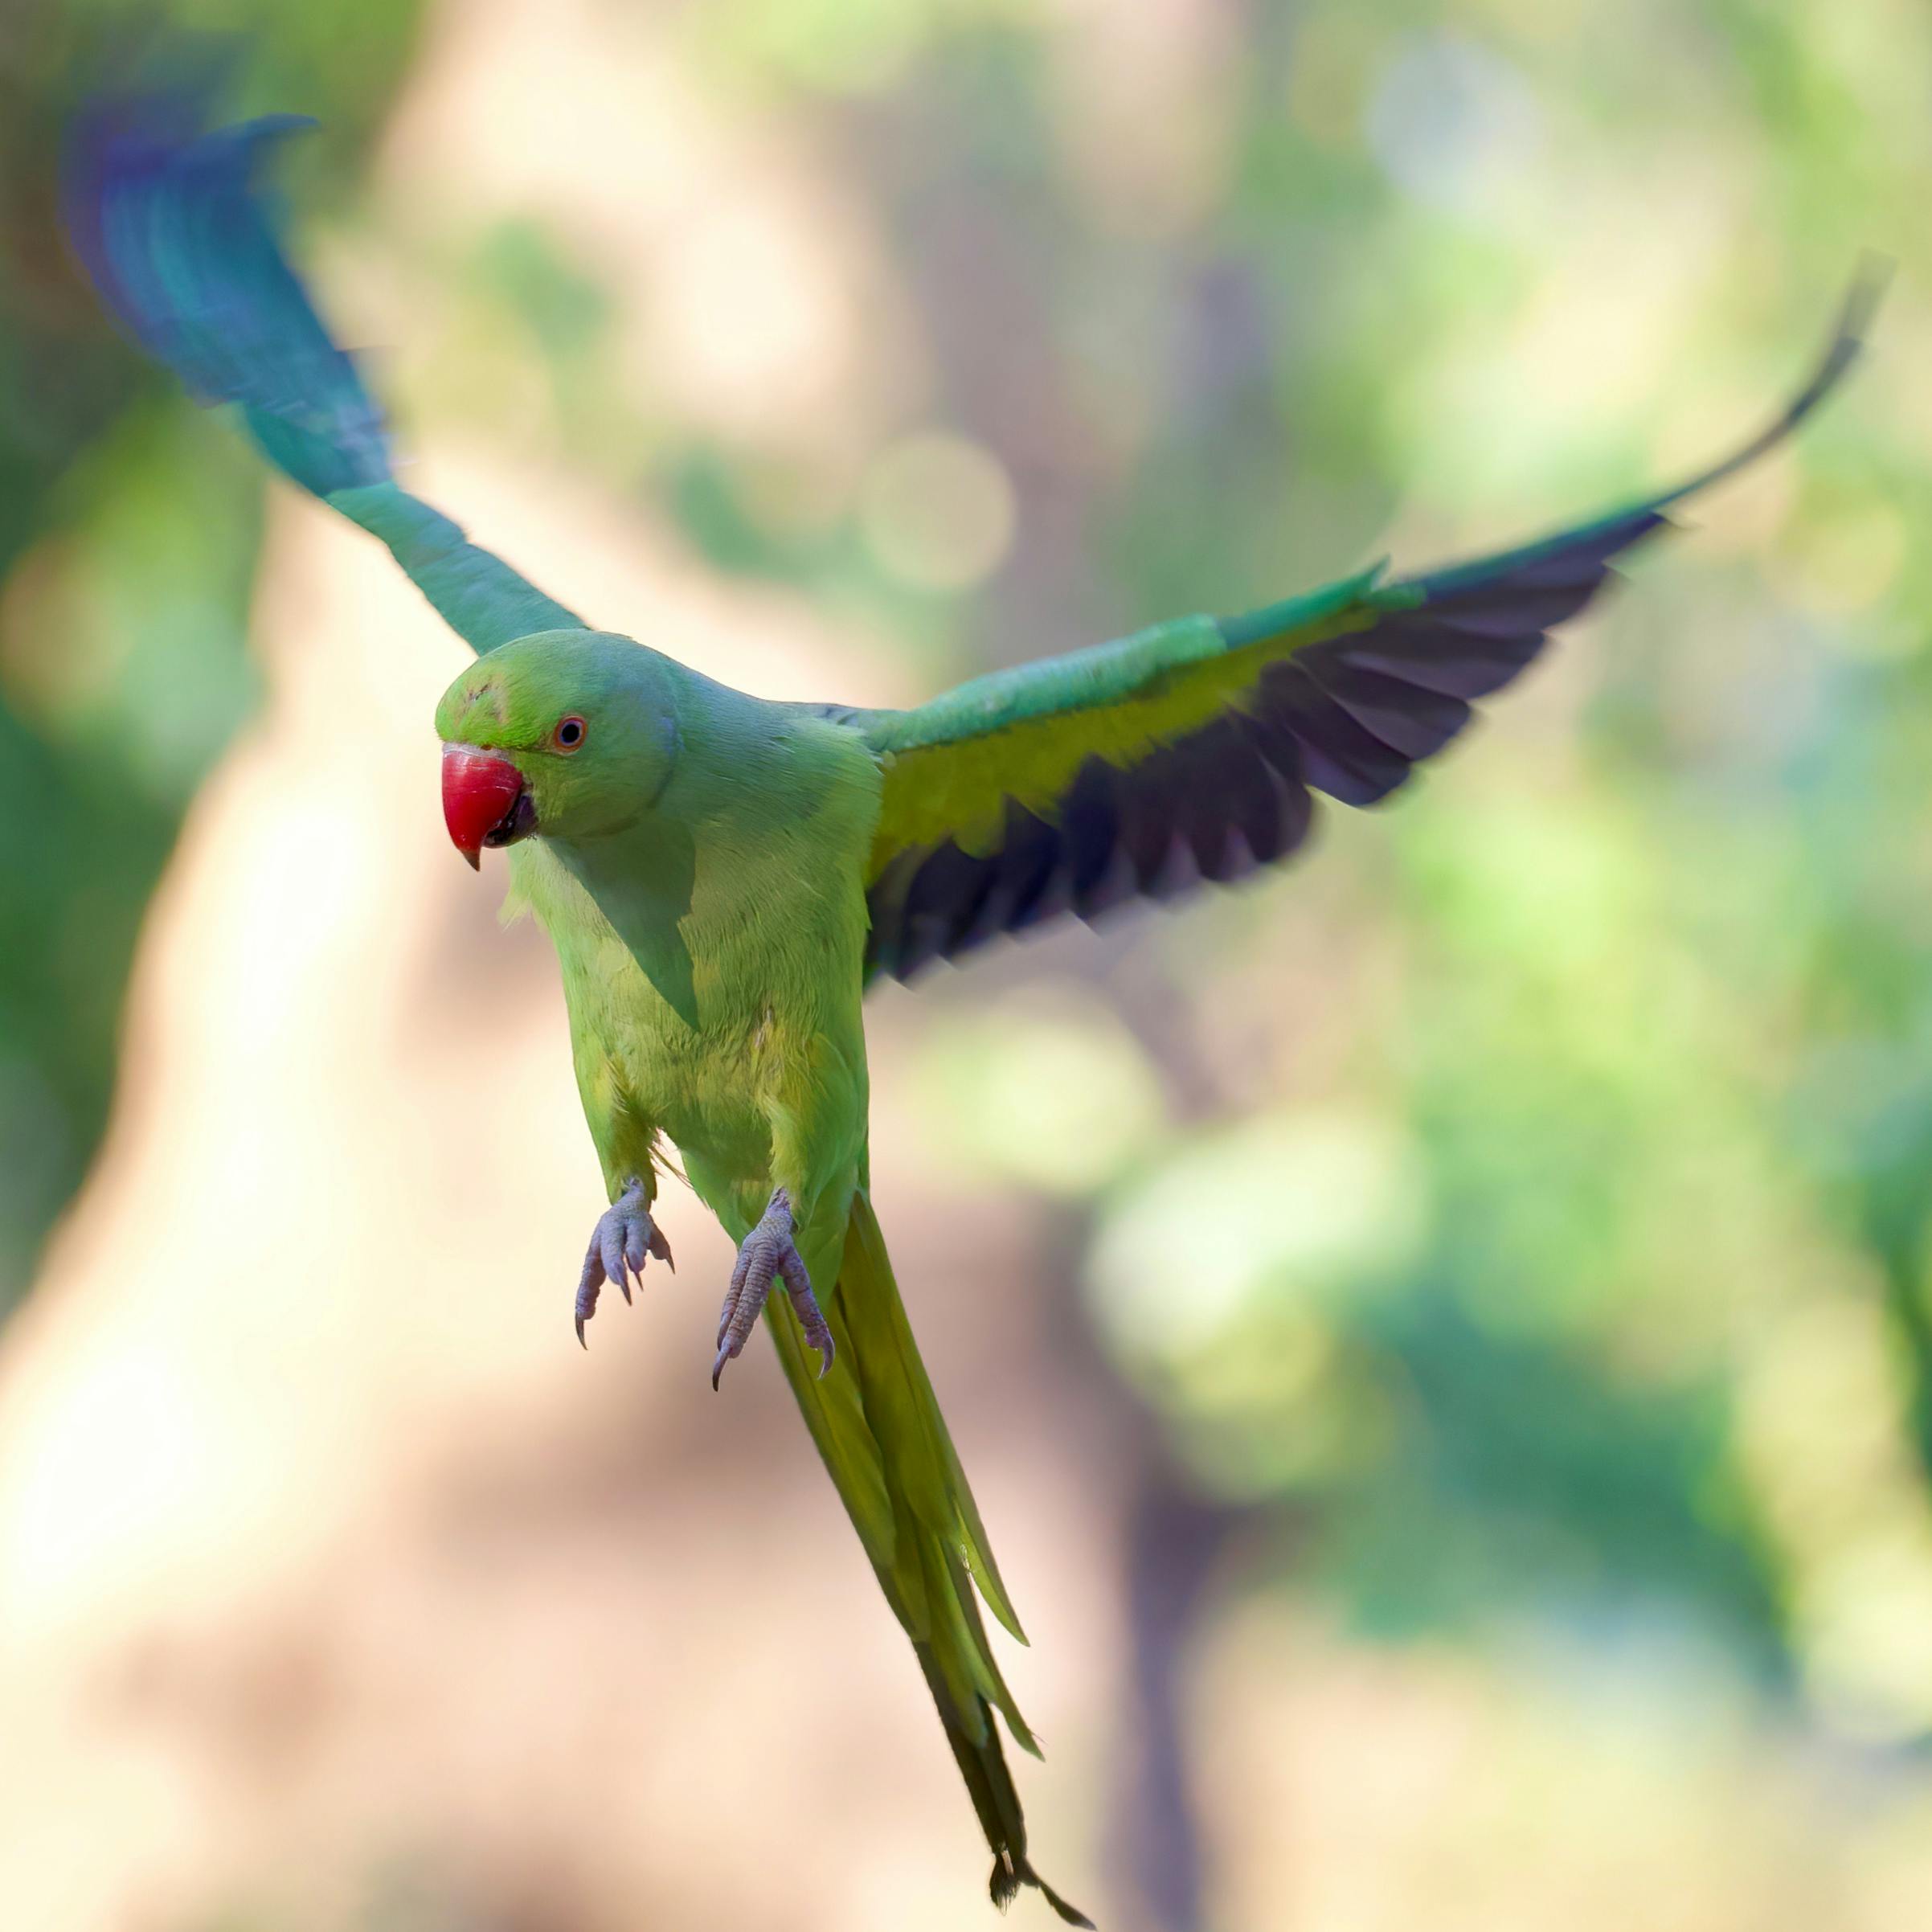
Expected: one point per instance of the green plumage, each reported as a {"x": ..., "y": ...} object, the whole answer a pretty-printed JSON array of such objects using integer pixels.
[
  {"x": 721, "y": 876},
  {"x": 701, "y": 875}
]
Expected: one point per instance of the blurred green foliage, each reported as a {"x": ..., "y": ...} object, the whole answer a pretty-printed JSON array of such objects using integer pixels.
[
  {"x": 1528, "y": 1199},
  {"x": 128, "y": 533}
]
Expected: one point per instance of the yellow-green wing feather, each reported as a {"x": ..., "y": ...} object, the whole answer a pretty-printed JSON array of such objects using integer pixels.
[
  {"x": 1191, "y": 751},
  {"x": 1023, "y": 734}
]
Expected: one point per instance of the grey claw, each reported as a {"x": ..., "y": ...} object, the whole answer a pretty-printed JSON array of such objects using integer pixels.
[
  {"x": 625, "y": 1234},
  {"x": 767, "y": 1253},
  {"x": 611, "y": 1236},
  {"x": 589, "y": 1283},
  {"x": 805, "y": 1305}
]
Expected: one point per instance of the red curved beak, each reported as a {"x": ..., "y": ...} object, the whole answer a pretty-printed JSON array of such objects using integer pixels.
[{"x": 481, "y": 795}]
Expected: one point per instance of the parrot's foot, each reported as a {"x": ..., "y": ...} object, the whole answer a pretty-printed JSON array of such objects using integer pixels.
[
  {"x": 623, "y": 1235},
  {"x": 768, "y": 1252}
]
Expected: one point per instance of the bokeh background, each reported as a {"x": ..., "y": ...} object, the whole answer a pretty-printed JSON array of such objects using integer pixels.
[{"x": 1443, "y": 1339}]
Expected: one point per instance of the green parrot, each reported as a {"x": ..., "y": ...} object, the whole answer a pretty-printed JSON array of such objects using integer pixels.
[{"x": 723, "y": 876}]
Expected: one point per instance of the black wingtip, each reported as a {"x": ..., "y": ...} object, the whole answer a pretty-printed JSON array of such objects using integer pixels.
[
  {"x": 1870, "y": 278},
  {"x": 1846, "y": 344}
]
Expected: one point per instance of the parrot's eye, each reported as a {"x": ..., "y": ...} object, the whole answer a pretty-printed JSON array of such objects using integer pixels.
[{"x": 569, "y": 734}]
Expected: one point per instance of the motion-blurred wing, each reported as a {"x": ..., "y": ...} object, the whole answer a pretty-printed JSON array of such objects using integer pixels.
[
  {"x": 183, "y": 248},
  {"x": 1191, "y": 751}
]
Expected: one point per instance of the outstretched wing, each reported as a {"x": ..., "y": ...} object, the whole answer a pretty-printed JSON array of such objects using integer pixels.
[
  {"x": 183, "y": 249},
  {"x": 1192, "y": 751}
]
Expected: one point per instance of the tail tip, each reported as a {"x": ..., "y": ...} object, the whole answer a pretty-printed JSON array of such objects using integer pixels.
[{"x": 1011, "y": 1872}]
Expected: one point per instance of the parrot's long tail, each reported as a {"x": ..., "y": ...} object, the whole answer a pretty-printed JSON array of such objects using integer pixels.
[
  {"x": 183, "y": 248},
  {"x": 877, "y": 1425}
]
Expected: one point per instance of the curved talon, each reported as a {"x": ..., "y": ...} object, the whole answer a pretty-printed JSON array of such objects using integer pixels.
[
  {"x": 589, "y": 1283},
  {"x": 769, "y": 1253},
  {"x": 805, "y": 1305},
  {"x": 612, "y": 1241},
  {"x": 624, "y": 1236}
]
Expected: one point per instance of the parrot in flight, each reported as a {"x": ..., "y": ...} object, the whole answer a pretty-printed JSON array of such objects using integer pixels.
[{"x": 723, "y": 876}]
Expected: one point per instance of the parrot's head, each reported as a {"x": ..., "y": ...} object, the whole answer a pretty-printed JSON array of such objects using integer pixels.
[{"x": 568, "y": 733}]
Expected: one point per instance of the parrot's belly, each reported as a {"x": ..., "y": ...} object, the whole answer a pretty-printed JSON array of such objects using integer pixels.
[
  {"x": 706, "y": 1097},
  {"x": 734, "y": 1040},
  {"x": 702, "y": 1085}
]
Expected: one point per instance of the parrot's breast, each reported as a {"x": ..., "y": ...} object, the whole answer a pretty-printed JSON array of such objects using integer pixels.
[{"x": 701, "y": 1016}]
